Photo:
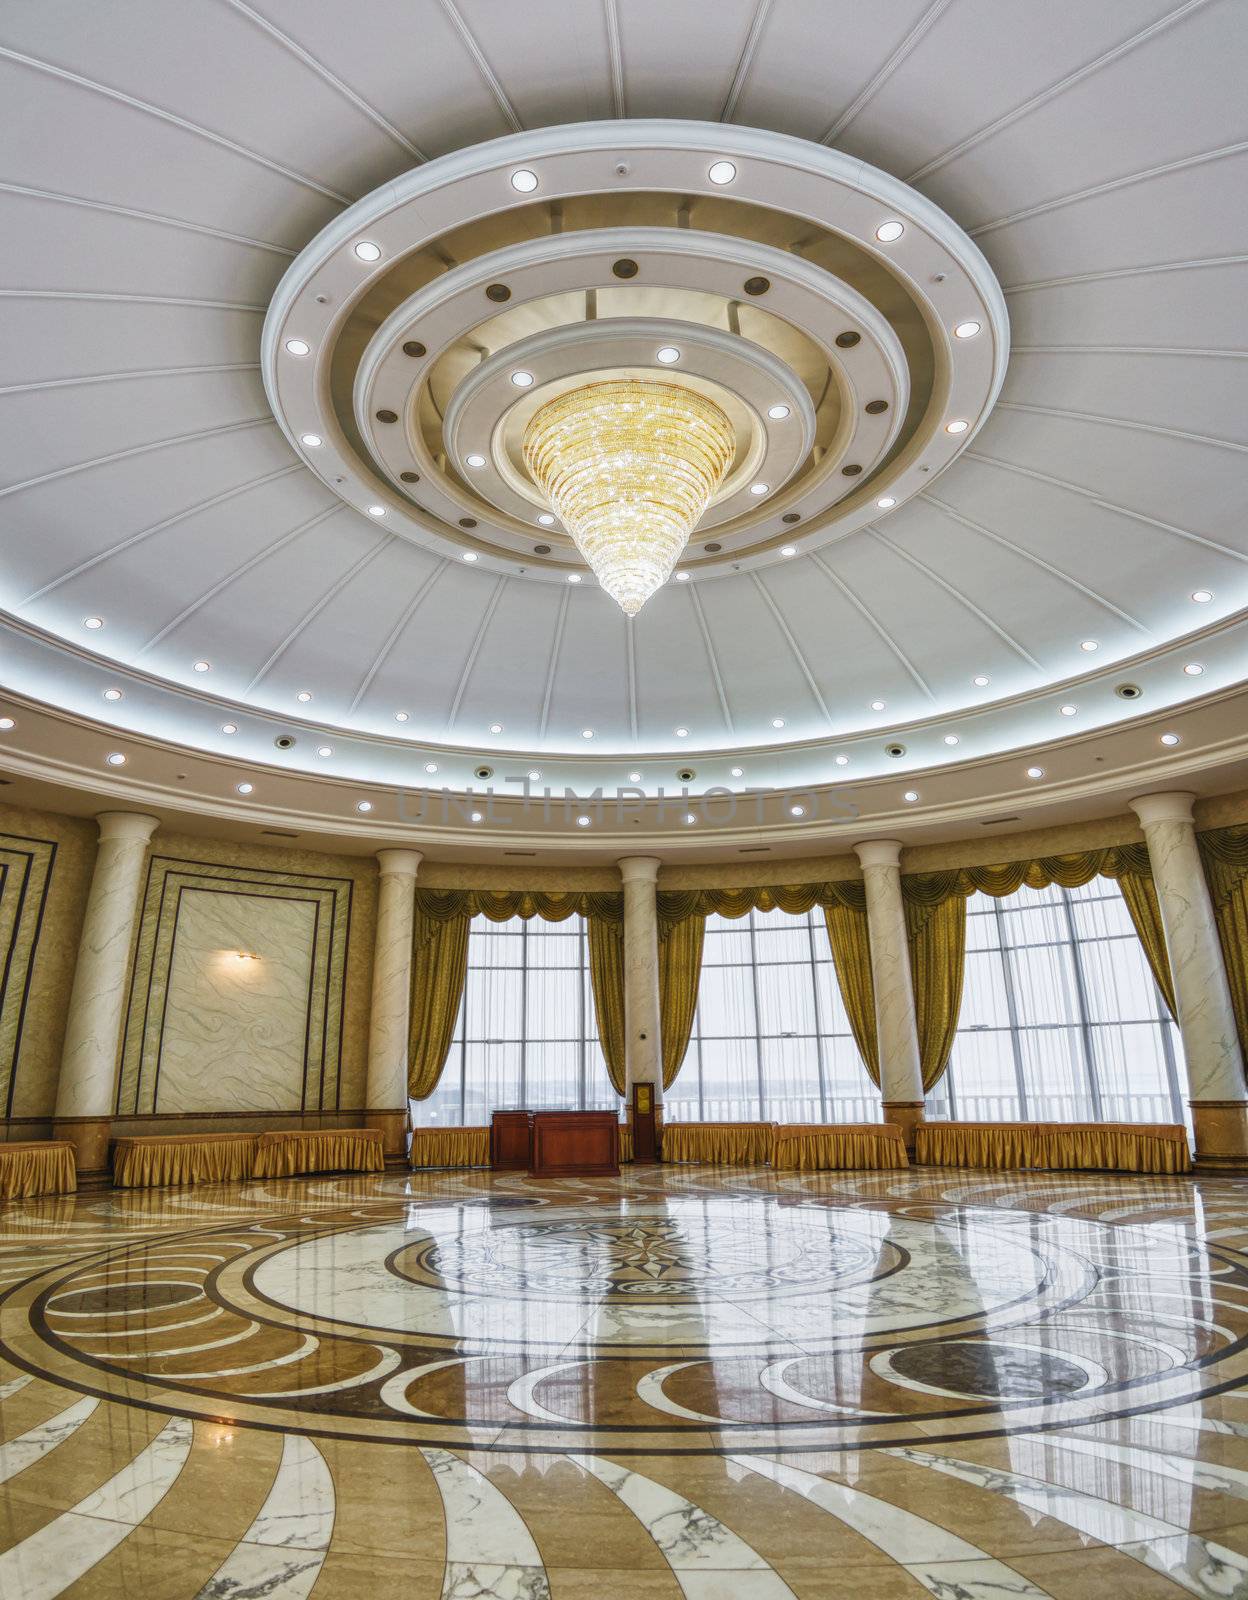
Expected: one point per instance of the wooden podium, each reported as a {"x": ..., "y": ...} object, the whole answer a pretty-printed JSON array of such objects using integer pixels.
[{"x": 555, "y": 1144}]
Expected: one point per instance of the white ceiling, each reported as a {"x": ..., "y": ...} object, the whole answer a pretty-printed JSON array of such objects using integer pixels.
[{"x": 163, "y": 165}]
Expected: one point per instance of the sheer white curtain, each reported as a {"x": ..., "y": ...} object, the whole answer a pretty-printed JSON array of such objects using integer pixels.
[
  {"x": 526, "y": 1035},
  {"x": 1061, "y": 1020},
  {"x": 771, "y": 1040}
]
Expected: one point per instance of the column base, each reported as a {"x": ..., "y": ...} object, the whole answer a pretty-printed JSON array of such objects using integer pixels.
[
  {"x": 907, "y": 1114},
  {"x": 89, "y": 1137},
  {"x": 1221, "y": 1129},
  {"x": 393, "y": 1127}
]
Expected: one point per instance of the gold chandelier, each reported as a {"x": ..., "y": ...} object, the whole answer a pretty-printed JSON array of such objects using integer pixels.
[{"x": 630, "y": 466}]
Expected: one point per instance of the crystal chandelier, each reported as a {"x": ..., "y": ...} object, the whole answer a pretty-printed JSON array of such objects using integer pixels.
[{"x": 630, "y": 466}]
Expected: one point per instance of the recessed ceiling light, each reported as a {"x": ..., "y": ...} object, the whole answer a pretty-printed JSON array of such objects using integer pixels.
[
  {"x": 496, "y": 727},
  {"x": 877, "y": 705},
  {"x": 376, "y": 511},
  {"x": 113, "y": 694},
  {"x": 1170, "y": 738},
  {"x": 93, "y": 622},
  {"x": 115, "y": 758},
  {"x": 6, "y": 723},
  {"x": 958, "y": 425},
  {"x": 325, "y": 750},
  {"x": 797, "y": 811},
  {"x": 738, "y": 772},
  {"x": 229, "y": 727},
  {"x": 1202, "y": 597},
  {"x": 911, "y": 795},
  {"x": 546, "y": 520},
  {"x": 777, "y": 413},
  {"x": 690, "y": 819},
  {"x": 535, "y": 776},
  {"x": 842, "y": 761},
  {"x": 777, "y": 722},
  {"x": 574, "y": 577},
  {"x": 1035, "y": 772},
  {"x": 368, "y": 251},
  {"x": 582, "y": 822},
  {"x": 201, "y": 666},
  {"x": 522, "y": 379},
  {"x": 1090, "y": 645},
  {"x": 788, "y": 550},
  {"x": 1193, "y": 669},
  {"x": 952, "y": 738},
  {"x": 1068, "y": 711},
  {"x": 682, "y": 577},
  {"x": 722, "y": 172},
  {"x": 474, "y": 460},
  {"x": 523, "y": 181},
  {"x": 469, "y": 555},
  {"x": 981, "y": 680},
  {"x": 364, "y": 805},
  {"x": 966, "y": 330},
  {"x": 312, "y": 440},
  {"x": 682, "y": 733},
  {"x": 431, "y": 766},
  {"x": 244, "y": 788},
  {"x": 888, "y": 231},
  {"x": 401, "y": 716},
  {"x": 587, "y": 733},
  {"x": 668, "y": 355},
  {"x": 303, "y": 697},
  {"x": 760, "y": 488},
  {"x": 476, "y": 817},
  {"x": 634, "y": 777},
  {"x": 886, "y": 502},
  {"x": 298, "y": 347}
]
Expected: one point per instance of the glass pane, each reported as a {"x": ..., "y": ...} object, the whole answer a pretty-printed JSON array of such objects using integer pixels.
[
  {"x": 791, "y": 1080},
  {"x": 726, "y": 1004},
  {"x": 786, "y": 999},
  {"x": 730, "y": 1081}
]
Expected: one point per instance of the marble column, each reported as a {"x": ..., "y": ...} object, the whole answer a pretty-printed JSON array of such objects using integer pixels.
[
  {"x": 901, "y": 1077},
  {"x": 392, "y": 985},
  {"x": 1215, "y": 1066},
  {"x": 88, "y": 1080},
  {"x": 643, "y": 1037}
]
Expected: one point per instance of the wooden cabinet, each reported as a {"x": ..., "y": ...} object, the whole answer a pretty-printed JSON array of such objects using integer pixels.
[
  {"x": 574, "y": 1144},
  {"x": 511, "y": 1141}
]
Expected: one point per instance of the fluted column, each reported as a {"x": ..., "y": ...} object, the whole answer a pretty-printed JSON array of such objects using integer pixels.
[
  {"x": 88, "y": 1080},
  {"x": 1215, "y": 1067},
  {"x": 643, "y": 1040},
  {"x": 392, "y": 995},
  {"x": 901, "y": 1077}
]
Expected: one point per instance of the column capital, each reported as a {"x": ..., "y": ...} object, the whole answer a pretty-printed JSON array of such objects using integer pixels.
[
  {"x": 399, "y": 863},
  {"x": 1170, "y": 806},
  {"x": 135, "y": 825},
  {"x": 639, "y": 869},
  {"x": 879, "y": 852}
]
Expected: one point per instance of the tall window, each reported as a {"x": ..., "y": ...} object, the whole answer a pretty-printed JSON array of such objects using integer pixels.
[
  {"x": 526, "y": 1033},
  {"x": 771, "y": 1040},
  {"x": 1061, "y": 1020}
]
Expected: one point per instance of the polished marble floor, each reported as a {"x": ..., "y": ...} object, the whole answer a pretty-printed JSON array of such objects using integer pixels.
[{"x": 705, "y": 1383}]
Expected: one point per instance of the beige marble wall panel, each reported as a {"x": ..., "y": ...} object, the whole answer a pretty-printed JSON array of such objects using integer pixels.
[{"x": 236, "y": 1014}]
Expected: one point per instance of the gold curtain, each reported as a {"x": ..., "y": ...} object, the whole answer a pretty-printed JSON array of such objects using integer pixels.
[
  {"x": 606, "y": 979},
  {"x": 1225, "y": 855},
  {"x": 439, "y": 969},
  {"x": 680, "y": 970},
  {"x": 501, "y": 905},
  {"x": 851, "y": 961},
  {"x": 936, "y": 935}
]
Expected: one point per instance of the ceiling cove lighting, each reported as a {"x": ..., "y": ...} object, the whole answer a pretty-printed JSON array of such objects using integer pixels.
[
  {"x": 523, "y": 181},
  {"x": 722, "y": 172},
  {"x": 887, "y": 232},
  {"x": 630, "y": 466},
  {"x": 366, "y": 250}
]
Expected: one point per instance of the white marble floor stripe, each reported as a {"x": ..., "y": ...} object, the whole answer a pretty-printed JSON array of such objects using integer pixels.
[
  {"x": 699, "y": 1548},
  {"x": 14, "y": 1385},
  {"x": 943, "y": 1563},
  {"x": 1199, "y": 1565},
  {"x": 281, "y": 1554},
  {"x": 490, "y": 1554},
  {"x": 1194, "y": 1474},
  {"x": 18, "y": 1454},
  {"x": 48, "y": 1561}
]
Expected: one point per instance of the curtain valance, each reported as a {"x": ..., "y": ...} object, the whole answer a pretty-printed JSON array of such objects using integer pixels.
[
  {"x": 674, "y": 905},
  {"x": 434, "y": 906},
  {"x": 1069, "y": 871}
]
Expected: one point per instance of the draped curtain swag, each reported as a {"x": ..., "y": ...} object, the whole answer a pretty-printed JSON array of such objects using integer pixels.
[{"x": 1225, "y": 856}]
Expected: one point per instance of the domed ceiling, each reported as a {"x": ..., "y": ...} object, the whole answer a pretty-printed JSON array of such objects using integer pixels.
[{"x": 283, "y": 286}]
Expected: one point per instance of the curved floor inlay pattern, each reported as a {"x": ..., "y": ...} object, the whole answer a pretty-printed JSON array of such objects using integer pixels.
[{"x": 688, "y": 1384}]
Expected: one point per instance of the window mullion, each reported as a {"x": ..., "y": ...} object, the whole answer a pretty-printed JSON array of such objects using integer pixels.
[
  {"x": 524, "y": 1010},
  {"x": 814, "y": 983},
  {"x": 1011, "y": 1006},
  {"x": 1081, "y": 1000},
  {"x": 758, "y": 1039}
]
